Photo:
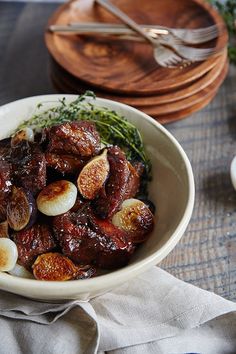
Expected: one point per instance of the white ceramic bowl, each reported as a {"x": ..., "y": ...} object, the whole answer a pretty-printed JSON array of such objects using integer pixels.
[{"x": 171, "y": 190}]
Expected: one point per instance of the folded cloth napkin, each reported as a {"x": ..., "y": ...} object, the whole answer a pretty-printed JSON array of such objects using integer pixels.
[{"x": 154, "y": 313}]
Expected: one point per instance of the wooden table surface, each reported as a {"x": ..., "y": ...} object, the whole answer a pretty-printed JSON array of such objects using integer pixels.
[{"x": 206, "y": 254}]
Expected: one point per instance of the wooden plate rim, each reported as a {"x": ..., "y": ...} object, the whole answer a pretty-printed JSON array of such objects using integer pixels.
[
  {"x": 162, "y": 86},
  {"x": 76, "y": 86}
]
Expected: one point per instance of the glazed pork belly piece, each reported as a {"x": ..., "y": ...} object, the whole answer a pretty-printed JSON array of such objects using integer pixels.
[
  {"x": 5, "y": 187},
  {"x": 29, "y": 166},
  {"x": 5, "y": 175},
  {"x": 32, "y": 242},
  {"x": 123, "y": 183},
  {"x": 64, "y": 164},
  {"x": 133, "y": 184},
  {"x": 86, "y": 239},
  {"x": 76, "y": 138}
]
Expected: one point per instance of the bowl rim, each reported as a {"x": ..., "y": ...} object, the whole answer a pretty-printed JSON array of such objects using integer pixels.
[{"x": 125, "y": 273}]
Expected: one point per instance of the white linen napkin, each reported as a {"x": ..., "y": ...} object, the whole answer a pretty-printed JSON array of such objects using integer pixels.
[{"x": 154, "y": 313}]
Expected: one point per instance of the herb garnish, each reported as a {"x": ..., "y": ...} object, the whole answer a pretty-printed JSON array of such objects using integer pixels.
[
  {"x": 227, "y": 10},
  {"x": 112, "y": 127}
]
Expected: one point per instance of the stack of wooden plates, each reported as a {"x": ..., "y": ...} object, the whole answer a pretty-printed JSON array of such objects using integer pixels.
[{"x": 126, "y": 71}]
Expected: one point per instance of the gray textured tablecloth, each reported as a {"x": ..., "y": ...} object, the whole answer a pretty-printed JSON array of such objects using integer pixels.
[{"x": 152, "y": 314}]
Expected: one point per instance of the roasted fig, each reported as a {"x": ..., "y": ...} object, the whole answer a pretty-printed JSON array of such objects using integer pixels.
[
  {"x": 21, "y": 209},
  {"x": 54, "y": 266},
  {"x": 57, "y": 198},
  {"x": 135, "y": 218},
  {"x": 8, "y": 254},
  {"x": 93, "y": 176}
]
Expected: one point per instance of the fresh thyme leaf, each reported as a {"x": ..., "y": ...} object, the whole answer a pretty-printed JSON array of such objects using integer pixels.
[
  {"x": 227, "y": 10},
  {"x": 112, "y": 127}
]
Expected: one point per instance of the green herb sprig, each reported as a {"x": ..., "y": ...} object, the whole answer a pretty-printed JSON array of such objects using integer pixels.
[
  {"x": 227, "y": 10},
  {"x": 113, "y": 128}
]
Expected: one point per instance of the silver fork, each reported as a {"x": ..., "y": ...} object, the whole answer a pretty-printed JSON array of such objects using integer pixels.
[
  {"x": 166, "y": 57},
  {"x": 190, "y": 53},
  {"x": 187, "y": 52},
  {"x": 188, "y": 36},
  {"x": 194, "y": 54},
  {"x": 163, "y": 56}
]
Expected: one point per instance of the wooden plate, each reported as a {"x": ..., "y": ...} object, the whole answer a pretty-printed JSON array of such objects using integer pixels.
[
  {"x": 189, "y": 101},
  {"x": 76, "y": 86},
  {"x": 124, "y": 66},
  {"x": 184, "y": 113},
  {"x": 197, "y": 104}
]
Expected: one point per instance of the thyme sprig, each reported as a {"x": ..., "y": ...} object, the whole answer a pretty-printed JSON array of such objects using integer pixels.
[
  {"x": 113, "y": 128},
  {"x": 227, "y": 10}
]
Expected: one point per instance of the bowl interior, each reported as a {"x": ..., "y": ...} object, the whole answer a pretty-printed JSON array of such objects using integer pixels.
[{"x": 171, "y": 188}]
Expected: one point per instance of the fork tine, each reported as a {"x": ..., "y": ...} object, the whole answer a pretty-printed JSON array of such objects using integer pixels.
[
  {"x": 199, "y": 35},
  {"x": 196, "y": 54},
  {"x": 175, "y": 60},
  {"x": 172, "y": 62},
  {"x": 205, "y": 29},
  {"x": 210, "y": 35}
]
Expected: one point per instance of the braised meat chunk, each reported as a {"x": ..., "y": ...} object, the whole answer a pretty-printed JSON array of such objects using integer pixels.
[
  {"x": 29, "y": 166},
  {"x": 136, "y": 170},
  {"x": 65, "y": 164},
  {"x": 5, "y": 187},
  {"x": 5, "y": 149},
  {"x": 113, "y": 194},
  {"x": 33, "y": 242},
  {"x": 77, "y": 138},
  {"x": 116, "y": 251},
  {"x": 84, "y": 240},
  {"x": 76, "y": 239}
]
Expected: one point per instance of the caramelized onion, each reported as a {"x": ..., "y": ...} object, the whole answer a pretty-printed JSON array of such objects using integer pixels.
[
  {"x": 57, "y": 198},
  {"x": 135, "y": 218},
  {"x": 8, "y": 254}
]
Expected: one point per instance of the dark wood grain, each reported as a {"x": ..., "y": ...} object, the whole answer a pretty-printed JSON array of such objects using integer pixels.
[
  {"x": 168, "y": 113},
  {"x": 124, "y": 66},
  {"x": 188, "y": 111},
  {"x": 70, "y": 84},
  {"x": 191, "y": 101}
]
